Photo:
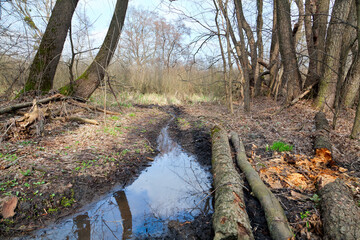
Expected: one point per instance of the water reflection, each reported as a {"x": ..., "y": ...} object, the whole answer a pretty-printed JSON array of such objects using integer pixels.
[
  {"x": 125, "y": 212},
  {"x": 83, "y": 229},
  {"x": 174, "y": 187}
]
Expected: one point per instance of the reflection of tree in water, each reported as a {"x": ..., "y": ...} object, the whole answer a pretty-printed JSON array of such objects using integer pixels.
[
  {"x": 125, "y": 212},
  {"x": 83, "y": 228}
]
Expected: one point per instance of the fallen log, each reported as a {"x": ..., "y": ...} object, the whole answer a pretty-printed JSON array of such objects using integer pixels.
[
  {"x": 95, "y": 108},
  {"x": 29, "y": 104},
  {"x": 78, "y": 119},
  {"x": 230, "y": 219},
  {"x": 276, "y": 220},
  {"x": 341, "y": 216}
]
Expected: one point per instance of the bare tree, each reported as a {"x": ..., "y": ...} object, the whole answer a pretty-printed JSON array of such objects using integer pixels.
[
  {"x": 316, "y": 14},
  {"x": 291, "y": 75},
  {"x": 329, "y": 77},
  {"x": 89, "y": 81},
  {"x": 44, "y": 65}
]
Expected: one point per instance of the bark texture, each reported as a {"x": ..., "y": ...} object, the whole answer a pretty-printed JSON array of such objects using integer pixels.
[
  {"x": 89, "y": 81},
  {"x": 329, "y": 77},
  {"x": 321, "y": 138},
  {"x": 340, "y": 215},
  {"x": 277, "y": 222},
  {"x": 355, "y": 132},
  {"x": 287, "y": 50},
  {"x": 315, "y": 32},
  {"x": 243, "y": 56},
  {"x": 230, "y": 219},
  {"x": 43, "y": 67}
]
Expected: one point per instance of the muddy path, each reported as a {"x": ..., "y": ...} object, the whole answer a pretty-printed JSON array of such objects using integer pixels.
[
  {"x": 57, "y": 179},
  {"x": 74, "y": 165}
]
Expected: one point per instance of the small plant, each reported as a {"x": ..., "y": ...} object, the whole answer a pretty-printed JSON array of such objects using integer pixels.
[
  {"x": 8, "y": 157},
  {"x": 39, "y": 183},
  {"x": 304, "y": 215},
  {"x": 281, "y": 147},
  {"x": 115, "y": 118},
  {"x": 125, "y": 151},
  {"x": 51, "y": 210},
  {"x": 137, "y": 150},
  {"x": 131, "y": 114},
  {"x": 26, "y": 173},
  {"x": 27, "y": 185},
  {"x": 315, "y": 198},
  {"x": 66, "y": 202}
]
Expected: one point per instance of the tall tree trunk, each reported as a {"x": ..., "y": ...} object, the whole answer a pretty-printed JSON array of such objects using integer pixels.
[
  {"x": 329, "y": 77},
  {"x": 274, "y": 53},
  {"x": 43, "y": 67},
  {"x": 259, "y": 44},
  {"x": 89, "y": 81},
  {"x": 287, "y": 50},
  {"x": 349, "y": 37},
  {"x": 230, "y": 96},
  {"x": 351, "y": 84},
  {"x": 355, "y": 133},
  {"x": 315, "y": 37},
  {"x": 299, "y": 25},
  {"x": 222, "y": 50},
  {"x": 254, "y": 71},
  {"x": 243, "y": 57}
]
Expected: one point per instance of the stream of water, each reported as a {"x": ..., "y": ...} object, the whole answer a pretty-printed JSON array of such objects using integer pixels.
[{"x": 174, "y": 187}]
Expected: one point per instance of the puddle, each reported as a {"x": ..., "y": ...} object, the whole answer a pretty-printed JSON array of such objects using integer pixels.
[{"x": 174, "y": 187}]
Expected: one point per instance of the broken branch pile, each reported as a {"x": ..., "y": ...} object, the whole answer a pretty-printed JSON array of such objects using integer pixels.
[{"x": 33, "y": 122}]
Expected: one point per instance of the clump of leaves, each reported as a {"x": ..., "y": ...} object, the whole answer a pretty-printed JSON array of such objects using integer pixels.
[{"x": 280, "y": 146}]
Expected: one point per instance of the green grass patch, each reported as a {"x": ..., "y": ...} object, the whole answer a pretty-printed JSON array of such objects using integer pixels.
[{"x": 280, "y": 146}]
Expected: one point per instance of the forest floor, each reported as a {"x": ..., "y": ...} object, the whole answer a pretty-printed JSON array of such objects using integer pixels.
[{"x": 70, "y": 164}]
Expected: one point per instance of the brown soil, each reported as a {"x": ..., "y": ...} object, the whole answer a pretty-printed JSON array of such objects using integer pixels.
[
  {"x": 258, "y": 130},
  {"x": 72, "y": 164}
]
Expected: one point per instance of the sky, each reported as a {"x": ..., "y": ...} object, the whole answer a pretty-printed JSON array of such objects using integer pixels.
[{"x": 100, "y": 13}]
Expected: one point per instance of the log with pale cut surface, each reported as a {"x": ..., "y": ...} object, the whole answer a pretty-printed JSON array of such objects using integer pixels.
[{"x": 230, "y": 219}]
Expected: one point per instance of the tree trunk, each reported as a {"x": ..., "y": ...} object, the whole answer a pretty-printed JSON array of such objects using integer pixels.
[
  {"x": 274, "y": 53},
  {"x": 321, "y": 136},
  {"x": 243, "y": 57},
  {"x": 329, "y": 77},
  {"x": 340, "y": 215},
  {"x": 43, "y": 67},
  {"x": 277, "y": 222},
  {"x": 355, "y": 133},
  {"x": 89, "y": 81},
  {"x": 315, "y": 37},
  {"x": 259, "y": 44},
  {"x": 351, "y": 84},
  {"x": 349, "y": 38},
  {"x": 254, "y": 73},
  {"x": 230, "y": 219},
  {"x": 291, "y": 75}
]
